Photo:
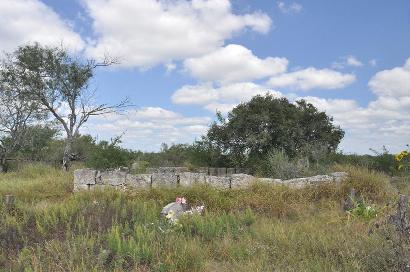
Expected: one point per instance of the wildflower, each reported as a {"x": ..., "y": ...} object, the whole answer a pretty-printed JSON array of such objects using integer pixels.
[
  {"x": 399, "y": 157},
  {"x": 180, "y": 200}
]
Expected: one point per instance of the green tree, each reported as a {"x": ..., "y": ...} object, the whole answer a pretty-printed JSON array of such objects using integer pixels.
[
  {"x": 60, "y": 84},
  {"x": 36, "y": 143},
  {"x": 206, "y": 154},
  {"x": 265, "y": 123},
  {"x": 109, "y": 155},
  {"x": 17, "y": 114}
]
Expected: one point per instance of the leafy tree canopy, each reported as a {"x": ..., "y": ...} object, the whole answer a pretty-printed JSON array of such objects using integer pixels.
[{"x": 252, "y": 129}]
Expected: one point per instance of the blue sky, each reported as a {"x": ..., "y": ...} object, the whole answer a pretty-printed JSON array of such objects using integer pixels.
[{"x": 183, "y": 60}]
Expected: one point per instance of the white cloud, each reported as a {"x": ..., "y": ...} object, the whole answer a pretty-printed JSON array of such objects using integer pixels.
[
  {"x": 28, "y": 21},
  {"x": 353, "y": 61},
  {"x": 147, "y": 32},
  {"x": 350, "y": 60},
  {"x": 291, "y": 8},
  {"x": 394, "y": 82},
  {"x": 223, "y": 98},
  {"x": 384, "y": 121},
  {"x": 170, "y": 67},
  {"x": 312, "y": 78},
  {"x": 146, "y": 128},
  {"x": 372, "y": 126},
  {"x": 373, "y": 62},
  {"x": 234, "y": 63}
]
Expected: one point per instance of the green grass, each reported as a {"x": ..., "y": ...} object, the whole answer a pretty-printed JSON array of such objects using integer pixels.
[{"x": 262, "y": 228}]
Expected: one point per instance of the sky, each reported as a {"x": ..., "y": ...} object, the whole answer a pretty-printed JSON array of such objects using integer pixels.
[{"x": 181, "y": 61}]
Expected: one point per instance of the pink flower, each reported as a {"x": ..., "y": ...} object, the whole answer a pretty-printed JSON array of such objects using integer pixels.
[{"x": 180, "y": 200}]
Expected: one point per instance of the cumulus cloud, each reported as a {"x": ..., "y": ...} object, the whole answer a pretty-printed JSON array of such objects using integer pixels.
[
  {"x": 222, "y": 98},
  {"x": 144, "y": 33},
  {"x": 312, "y": 78},
  {"x": 384, "y": 121},
  {"x": 348, "y": 61},
  {"x": 146, "y": 128},
  {"x": 394, "y": 82},
  {"x": 28, "y": 21},
  {"x": 291, "y": 8},
  {"x": 353, "y": 61},
  {"x": 373, "y": 126},
  {"x": 234, "y": 63}
]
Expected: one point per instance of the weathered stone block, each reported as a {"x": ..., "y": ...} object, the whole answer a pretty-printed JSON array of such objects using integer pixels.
[
  {"x": 241, "y": 180},
  {"x": 219, "y": 182},
  {"x": 203, "y": 170},
  {"x": 84, "y": 176},
  {"x": 164, "y": 179},
  {"x": 315, "y": 180},
  {"x": 112, "y": 177},
  {"x": 339, "y": 176},
  {"x": 213, "y": 171},
  {"x": 230, "y": 171},
  {"x": 138, "y": 181},
  {"x": 168, "y": 170},
  {"x": 189, "y": 178},
  {"x": 271, "y": 180},
  {"x": 221, "y": 172}
]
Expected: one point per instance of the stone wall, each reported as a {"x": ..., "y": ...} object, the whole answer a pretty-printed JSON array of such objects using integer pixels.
[{"x": 89, "y": 179}]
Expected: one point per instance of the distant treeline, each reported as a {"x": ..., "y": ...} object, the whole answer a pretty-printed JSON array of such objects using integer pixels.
[{"x": 45, "y": 145}]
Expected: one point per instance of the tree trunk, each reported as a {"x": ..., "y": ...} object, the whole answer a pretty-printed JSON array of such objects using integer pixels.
[
  {"x": 67, "y": 154},
  {"x": 3, "y": 163}
]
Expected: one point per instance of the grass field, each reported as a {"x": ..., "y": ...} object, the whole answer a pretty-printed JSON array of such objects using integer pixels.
[{"x": 262, "y": 228}]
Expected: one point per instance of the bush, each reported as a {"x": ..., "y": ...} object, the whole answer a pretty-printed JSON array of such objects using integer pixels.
[
  {"x": 107, "y": 155},
  {"x": 278, "y": 165}
]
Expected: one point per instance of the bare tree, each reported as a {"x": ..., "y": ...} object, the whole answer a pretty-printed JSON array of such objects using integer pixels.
[{"x": 60, "y": 83}]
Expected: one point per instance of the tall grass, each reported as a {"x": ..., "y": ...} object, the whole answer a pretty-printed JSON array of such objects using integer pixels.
[{"x": 261, "y": 228}]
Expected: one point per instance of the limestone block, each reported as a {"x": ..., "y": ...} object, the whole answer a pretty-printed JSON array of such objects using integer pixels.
[
  {"x": 171, "y": 170},
  {"x": 219, "y": 182},
  {"x": 213, "y": 171},
  {"x": 189, "y": 178},
  {"x": 271, "y": 180},
  {"x": 111, "y": 177},
  {"x": 221, "y": 172},
  {"x": 315, "y": 180},
  {"x": 84, "y": 176},
  {"x": 203, "y": 170},
  {"x": 230, "y": 171},
  {"x": 164, "y": 179},
  {"x": 138, "y": 181},
  {"x": 339, "y": 176},
  {"x": 241, "y": 180}
]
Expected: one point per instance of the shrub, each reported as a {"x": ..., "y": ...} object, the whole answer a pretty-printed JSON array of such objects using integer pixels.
[
  {"x": 107, "y": 155},
  {"x": 278, "y": 165},
  {"x": 361, "y": 210}
]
